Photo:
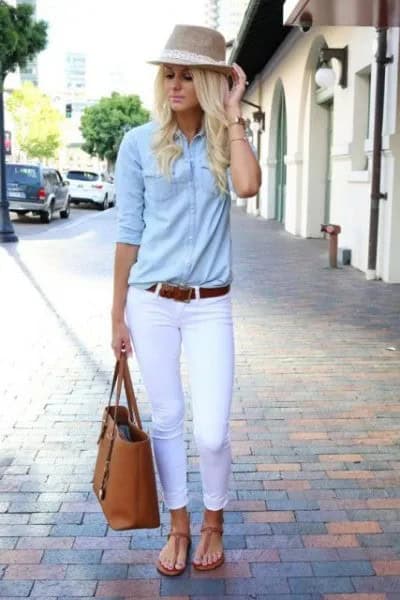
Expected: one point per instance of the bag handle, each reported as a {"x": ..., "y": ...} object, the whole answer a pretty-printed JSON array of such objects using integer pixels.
[
  {"x": 130, "y": 394},
  {"x": 122, "y": 375}
]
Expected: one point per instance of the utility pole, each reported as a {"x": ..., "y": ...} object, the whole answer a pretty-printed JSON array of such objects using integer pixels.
[{"x": 7, "y": 233}]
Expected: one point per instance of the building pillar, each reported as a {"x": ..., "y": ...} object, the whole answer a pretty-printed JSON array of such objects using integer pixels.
[{"x": 294, "y": 166}]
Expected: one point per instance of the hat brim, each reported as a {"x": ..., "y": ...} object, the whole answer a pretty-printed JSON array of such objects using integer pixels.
[{"x": 224, "y": 69}]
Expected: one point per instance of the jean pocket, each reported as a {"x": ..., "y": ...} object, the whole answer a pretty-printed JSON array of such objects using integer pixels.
[{"x": 138, "y": 295}]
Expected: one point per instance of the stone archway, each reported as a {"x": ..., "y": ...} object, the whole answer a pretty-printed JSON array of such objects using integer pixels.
[
  {"x": 315, "y": 139},
  {"x": 277, "y": 153}
]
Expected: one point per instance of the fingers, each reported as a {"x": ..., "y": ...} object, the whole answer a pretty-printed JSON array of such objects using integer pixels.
[
  {"x": 240, "y": 71},
  {"x": 120, "y": 344},
  {"x": 239, "y": 75}
]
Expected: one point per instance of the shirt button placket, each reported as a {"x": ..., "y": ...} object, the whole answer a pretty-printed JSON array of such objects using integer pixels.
[{"x": 191, "y": 215}]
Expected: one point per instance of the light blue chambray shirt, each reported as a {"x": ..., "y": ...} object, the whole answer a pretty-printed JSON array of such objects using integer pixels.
[{"x": 181, "y": 225}]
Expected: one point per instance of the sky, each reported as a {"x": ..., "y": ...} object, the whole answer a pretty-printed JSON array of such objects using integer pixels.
[{"x": 118, "y": 37}]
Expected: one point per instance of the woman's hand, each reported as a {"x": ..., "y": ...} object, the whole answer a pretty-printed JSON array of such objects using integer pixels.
[
  {"x": 233, "y": 97},
  {"x": 120, "y": 338}
]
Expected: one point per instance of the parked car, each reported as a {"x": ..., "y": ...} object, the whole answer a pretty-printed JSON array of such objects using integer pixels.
[
  {"x": 91, "y": 186},
  {"x": 37, "y": 189}
]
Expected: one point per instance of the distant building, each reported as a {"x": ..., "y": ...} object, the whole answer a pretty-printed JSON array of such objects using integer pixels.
[
  {"x": 30, "y": 71},
  {"x": 225, "y": 15},
  {"x": 75, "y": 71}
]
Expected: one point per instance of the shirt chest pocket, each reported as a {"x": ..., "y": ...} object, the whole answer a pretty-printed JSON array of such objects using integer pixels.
[
  {"x": 208, "y": 181},
  {"x": 159, "y": 188}
]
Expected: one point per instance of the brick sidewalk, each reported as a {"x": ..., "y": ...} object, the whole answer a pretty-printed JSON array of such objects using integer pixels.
[{"x": 315, "y": 509}]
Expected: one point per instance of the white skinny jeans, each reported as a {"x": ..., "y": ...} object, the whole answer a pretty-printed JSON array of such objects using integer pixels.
[{"x": 158, "y": 327}]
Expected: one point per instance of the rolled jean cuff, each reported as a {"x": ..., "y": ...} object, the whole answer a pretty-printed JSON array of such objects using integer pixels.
[
  {"x": 215, "y": 503},
  {"x": 175, "y": 500}
]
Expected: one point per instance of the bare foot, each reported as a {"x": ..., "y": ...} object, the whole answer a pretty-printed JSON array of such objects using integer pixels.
[
  {"x": 215, "y": 548},
  {"x": 180, "y": 524}
]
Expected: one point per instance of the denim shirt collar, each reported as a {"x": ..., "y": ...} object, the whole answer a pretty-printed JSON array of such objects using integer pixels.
[{"x": 179, "y": 135}]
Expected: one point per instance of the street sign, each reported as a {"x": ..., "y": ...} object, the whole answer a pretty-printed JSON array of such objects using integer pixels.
[{"x": 7, "y": 143}]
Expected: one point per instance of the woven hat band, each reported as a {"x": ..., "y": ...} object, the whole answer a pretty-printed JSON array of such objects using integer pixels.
[
  {"x": 189, "y": 57},
  {"x": 195, "y": 46}
]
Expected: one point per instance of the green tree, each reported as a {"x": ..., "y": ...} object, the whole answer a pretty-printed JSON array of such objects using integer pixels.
[
  {"x": 21, "y": 38},
  {"x": 104, "y": 124},
  {"x": 38, "y": 122}
]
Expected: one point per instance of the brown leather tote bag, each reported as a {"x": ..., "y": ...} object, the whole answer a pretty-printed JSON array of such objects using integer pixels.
[{"x": 124, "y": 480}]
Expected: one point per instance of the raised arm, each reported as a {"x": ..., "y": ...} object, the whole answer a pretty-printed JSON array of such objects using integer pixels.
[{"x": 245, "y": 170}]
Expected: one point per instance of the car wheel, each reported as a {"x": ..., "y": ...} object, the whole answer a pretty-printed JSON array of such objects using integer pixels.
[
  {"x": 46, "y": 217},
  {"x": 105, "y": 204},
  {"x": 64, "y": 214}
]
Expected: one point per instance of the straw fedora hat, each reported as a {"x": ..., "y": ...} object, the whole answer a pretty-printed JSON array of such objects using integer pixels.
[{"x": 197, "y": 47}]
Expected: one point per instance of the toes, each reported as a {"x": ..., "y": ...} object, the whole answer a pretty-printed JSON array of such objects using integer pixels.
[
  {"x": 208, "y": 559},
  {"x": 166, "y": 562},
  {"x": 182, "y": 555}
]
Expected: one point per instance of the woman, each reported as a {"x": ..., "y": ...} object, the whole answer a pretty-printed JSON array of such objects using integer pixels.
[{"x": 172, "y": 271}]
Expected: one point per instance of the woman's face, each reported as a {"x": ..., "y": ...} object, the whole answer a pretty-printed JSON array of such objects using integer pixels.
[{"x": 179, "y": 88}]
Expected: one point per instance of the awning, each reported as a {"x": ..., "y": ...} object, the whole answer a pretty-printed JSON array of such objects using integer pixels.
[
  {"x": 261, "y": 33},
  {"x": 376, "y": 13}
]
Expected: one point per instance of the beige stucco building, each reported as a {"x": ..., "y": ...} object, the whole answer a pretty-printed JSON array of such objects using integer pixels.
[{"x": 316, "y": 144}]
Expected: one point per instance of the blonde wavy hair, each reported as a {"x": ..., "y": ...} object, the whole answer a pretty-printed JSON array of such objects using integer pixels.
[{"x": 210, "y": 88}]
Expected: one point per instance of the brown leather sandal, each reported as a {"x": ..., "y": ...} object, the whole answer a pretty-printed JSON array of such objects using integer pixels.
[
  {"x": 209, "y": 529},
  {"x": 172, "y": 572}
]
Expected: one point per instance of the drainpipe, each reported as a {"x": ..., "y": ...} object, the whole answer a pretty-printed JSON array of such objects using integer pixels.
[
  {"x": 259, "y": 118},
  {"x": 381, "y": 61}
]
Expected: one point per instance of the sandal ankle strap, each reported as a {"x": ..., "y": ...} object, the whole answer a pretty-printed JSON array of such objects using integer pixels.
[
  {"x": 212, "y": 529},
  {"x": 179, "y": 534}
]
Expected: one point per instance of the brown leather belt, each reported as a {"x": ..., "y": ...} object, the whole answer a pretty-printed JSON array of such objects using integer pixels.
[{"x": 186, "y": 294}]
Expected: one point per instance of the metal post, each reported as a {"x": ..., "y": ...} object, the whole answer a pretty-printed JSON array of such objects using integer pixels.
[
  {"x": 376, "y": 195},
  {"x": 333, "y": 248},
  {"x": 7, "y": 233},
  {"x": 258, "y": 158},
  {"x": 333, "y": 231}
]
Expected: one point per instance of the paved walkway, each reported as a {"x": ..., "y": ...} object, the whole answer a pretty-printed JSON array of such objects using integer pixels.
[{"x": 315, "y": 509}]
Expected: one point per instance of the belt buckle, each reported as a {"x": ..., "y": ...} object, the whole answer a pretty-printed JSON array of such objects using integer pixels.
[{"x": 189, "y": 290}]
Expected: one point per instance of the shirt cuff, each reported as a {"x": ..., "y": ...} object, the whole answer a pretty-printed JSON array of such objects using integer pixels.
[{"x": 129, "y": 237}]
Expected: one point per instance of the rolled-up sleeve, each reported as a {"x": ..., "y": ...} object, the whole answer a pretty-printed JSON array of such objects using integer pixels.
[{"x": 129, "y": 186}]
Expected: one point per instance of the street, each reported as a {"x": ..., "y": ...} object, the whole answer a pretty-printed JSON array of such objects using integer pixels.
[
  {"x": 315, "y": 492},
  {"x": 30, "y": 225}
]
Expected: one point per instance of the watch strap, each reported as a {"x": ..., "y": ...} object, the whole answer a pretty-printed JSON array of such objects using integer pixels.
[{"x": 238, "y": 121}]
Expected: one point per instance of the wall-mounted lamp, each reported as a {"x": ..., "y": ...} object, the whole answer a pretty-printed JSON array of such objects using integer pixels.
[
  {"x": 259, "y": 117},
  {"x": 325, "y": 75}
]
